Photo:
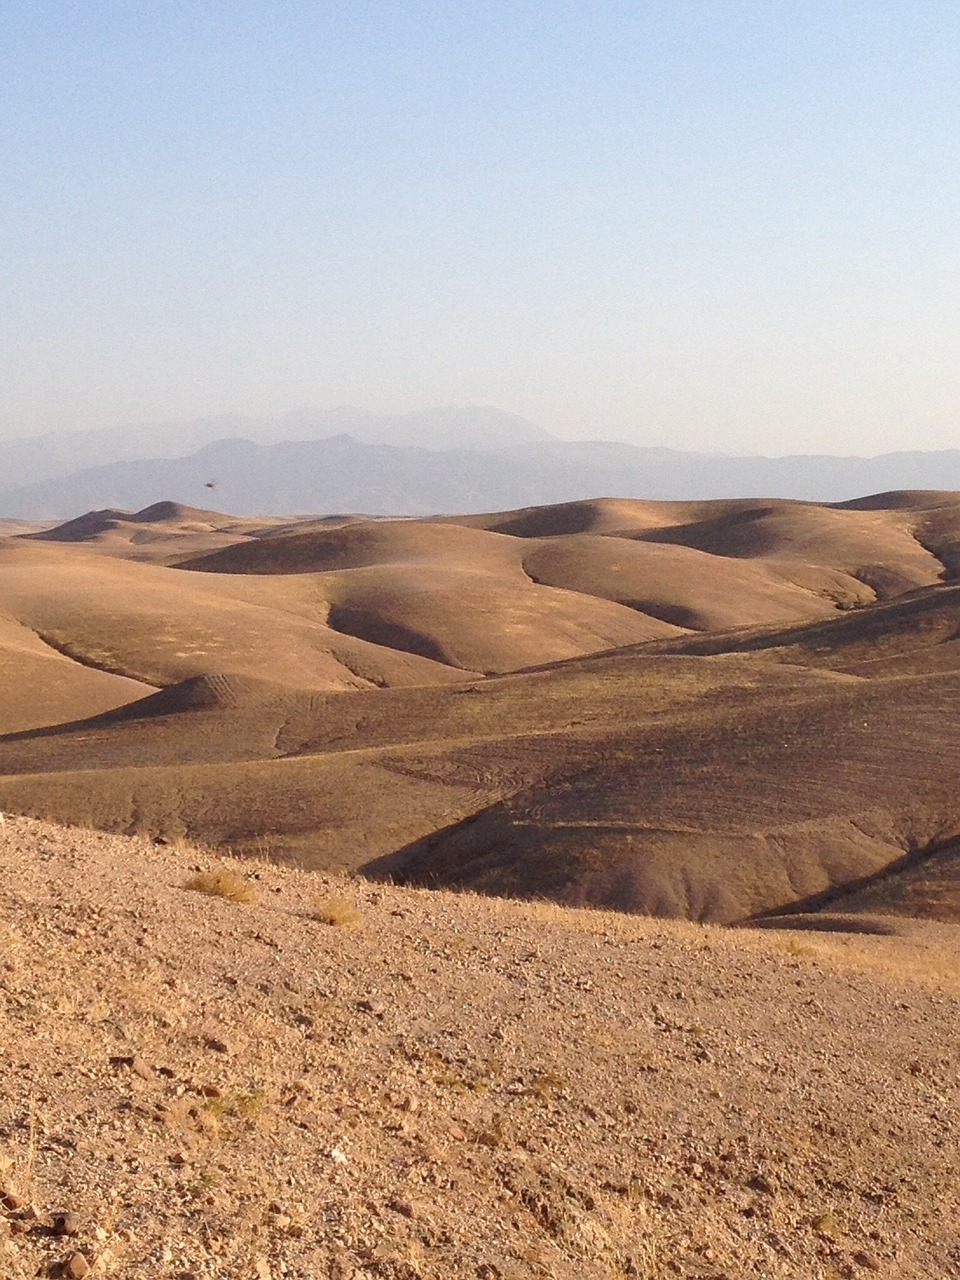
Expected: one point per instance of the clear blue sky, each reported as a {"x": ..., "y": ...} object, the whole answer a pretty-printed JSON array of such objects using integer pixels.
[{"x": 706, "y": 223}]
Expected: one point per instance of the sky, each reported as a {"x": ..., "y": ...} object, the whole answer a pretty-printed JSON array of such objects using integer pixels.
[{"x": 730, "y": 225}]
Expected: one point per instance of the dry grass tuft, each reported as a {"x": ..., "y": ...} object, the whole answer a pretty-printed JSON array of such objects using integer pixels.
[
  {"x": 223, "y": 883},
  {"x": 338, "y": 912}
]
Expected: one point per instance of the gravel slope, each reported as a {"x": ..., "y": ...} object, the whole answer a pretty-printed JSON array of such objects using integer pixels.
[{"x": 456, "y": 1086}]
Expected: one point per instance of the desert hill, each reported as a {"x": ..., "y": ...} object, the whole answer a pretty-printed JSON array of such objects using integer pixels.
[
  {"x": 162, "y": 533},
  {"x": 908, "y": 635},
  {"x": 341, "y": 780},
  {"x": 706, "y": 710},
  {"x": 725, "y": 812},
  {"x": 151, "y": 624},
  {"x": 341, "y": 1079}
]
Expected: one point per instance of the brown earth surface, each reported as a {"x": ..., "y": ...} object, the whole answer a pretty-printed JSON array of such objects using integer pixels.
[
  {"x": 704, "y": 710},
  {"x": 732, "y": 713},
  {"x": 452, "y": 1087}
]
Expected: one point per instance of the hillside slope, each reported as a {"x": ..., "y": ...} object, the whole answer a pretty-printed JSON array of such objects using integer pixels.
[
  {"x": 705, "y": 710},
  {"x": 456, "y": 1087}
]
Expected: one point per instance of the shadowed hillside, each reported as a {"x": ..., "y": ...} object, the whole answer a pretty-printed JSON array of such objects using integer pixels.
[{"x": 729, "y": 810}]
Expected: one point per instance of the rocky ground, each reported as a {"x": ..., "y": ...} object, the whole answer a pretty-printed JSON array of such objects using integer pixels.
[{"x": 349, "y": 1080}]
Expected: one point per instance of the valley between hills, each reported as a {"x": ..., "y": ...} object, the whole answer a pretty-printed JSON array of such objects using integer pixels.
[{"x": 579, "y": 893}]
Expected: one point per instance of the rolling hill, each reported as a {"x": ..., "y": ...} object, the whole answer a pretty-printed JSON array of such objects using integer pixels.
[{"x": 705, "y": 710}]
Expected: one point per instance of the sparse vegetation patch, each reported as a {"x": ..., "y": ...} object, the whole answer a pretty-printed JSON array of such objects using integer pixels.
[
  {"x": 221, "y": 882},
  {"x": 337, "y": 912}
]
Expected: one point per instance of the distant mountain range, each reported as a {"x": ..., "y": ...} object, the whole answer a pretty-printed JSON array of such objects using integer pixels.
[
  {"x": 432, "y": 462},
  {"x": 29, "y": 460}
]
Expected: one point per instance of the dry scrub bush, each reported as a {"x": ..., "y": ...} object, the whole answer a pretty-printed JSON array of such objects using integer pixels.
[
  {"x": 222, "y": 883},
  {"x": 338, "y": 912}
]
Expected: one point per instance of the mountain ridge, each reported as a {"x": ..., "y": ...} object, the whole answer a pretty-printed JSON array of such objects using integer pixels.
[
  {"x": 340, "y": 473},
  {"x": 32, "y": 459}
]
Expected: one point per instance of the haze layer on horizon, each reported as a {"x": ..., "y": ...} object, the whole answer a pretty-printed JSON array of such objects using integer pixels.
[{"x": 717, "y": 225}]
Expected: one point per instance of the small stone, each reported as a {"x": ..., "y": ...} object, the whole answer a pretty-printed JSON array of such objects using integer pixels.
[
  {"x": 825, "y": 1224},
  {"x": 12, "y": 1202},
  {"x": 376, "y": 1007},
  {"x": 140, "y": 1067},
  {"x": 218, "y": 1046},
  {"x": 67, "y": 1224},
  {"x": 866, "y": 1260},
  {"x": 76, "y": 1267},
  {"x": 406, "y": 1208},
  {"x": 760, "y": 1182}
]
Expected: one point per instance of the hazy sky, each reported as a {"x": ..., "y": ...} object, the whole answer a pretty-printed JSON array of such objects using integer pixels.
[{"x": 706, "y": 223}]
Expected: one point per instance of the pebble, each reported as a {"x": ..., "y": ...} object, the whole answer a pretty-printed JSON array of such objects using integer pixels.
[
  {"x": 406, "y": 1208},
  {"x": 75, "y": 1267},
  {"x": 866, "y": 1260},
  {"x": 760, "y": 1182}
]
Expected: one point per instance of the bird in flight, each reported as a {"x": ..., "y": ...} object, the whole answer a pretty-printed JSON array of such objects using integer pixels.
[{"x": 211, "y": 484}]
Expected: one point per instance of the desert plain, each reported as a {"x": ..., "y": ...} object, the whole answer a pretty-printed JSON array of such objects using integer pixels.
[{"x": 592, "y": 890}]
